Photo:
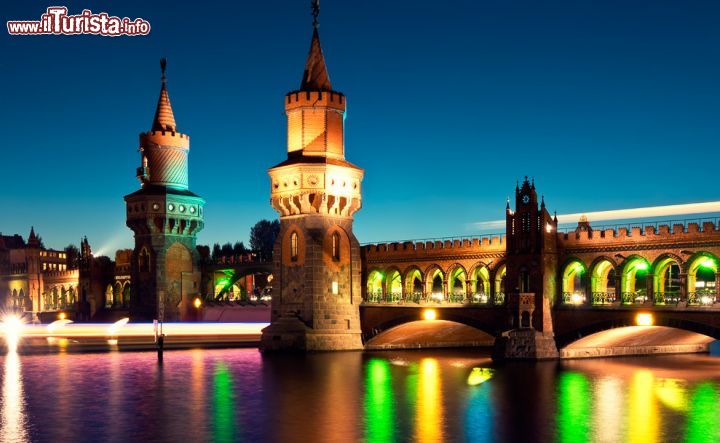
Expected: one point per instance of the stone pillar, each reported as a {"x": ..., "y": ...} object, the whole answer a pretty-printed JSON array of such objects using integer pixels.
[{"x": 650, "y": 287}]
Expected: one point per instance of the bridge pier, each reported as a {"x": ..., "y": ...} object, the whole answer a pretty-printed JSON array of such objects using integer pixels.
[{"x": 525, "y": 344}]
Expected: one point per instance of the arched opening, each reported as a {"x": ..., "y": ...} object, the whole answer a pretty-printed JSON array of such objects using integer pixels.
[
  {"x": 500, "y": 284},
  {"x": 602, "y": 282},
  {"x": 702, "y": 280},
  {"x": 55, "y": 298},
  {"x": 109, "y": 296},
  {"x": 126, "y": 295},
  {"x": 634, "y": 281},
  {"x": 374, "y": 287},
  {"x": 457, "y": 285},
  {"x": 573, "y": 283},
  {"x": 117, "y": 294},
  {"x": 413, "y": 285},
  {"x": 144, "y": 260},
  {"x": 524, "y": 280},
  {"x": 481, "y": 282},
  {"x": 294, "y": 247},
  {"x": 666, "y": 283},
  {"x": 430, "y": 334},
  {"x": 336, "y": 246},
  {"x": 13, "y": 302},
  {"x": 636, "y": 340},
  {"x": 394, "y": 286},
  {"x": 436, "y": 285}
]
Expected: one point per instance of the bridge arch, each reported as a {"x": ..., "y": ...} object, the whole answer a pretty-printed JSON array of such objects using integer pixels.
[
  {"x": 499, "y": 283},
  {"x": 413, "y": 279},
  {"x": 568, "y": 338},
  {"x": 393, "y": 284},
  {"x": 603, "y": 280},
  {"x": 449, "y": 315},
  {"x": 574, "y": 281},
  {"x": 702, "y": 278},
  {"x": 667, "y": 282},
  {"x": 374, "y": 286},
  {"x": 457, "y": 282},
  {"x": 435, "y": 282},
  {"x": 634, "y": 282},
  {"x": 479, "y": 277}
]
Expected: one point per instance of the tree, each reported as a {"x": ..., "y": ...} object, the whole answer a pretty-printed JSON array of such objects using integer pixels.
[
  {"x": 226, "y": 250},
  {"x": 216, "y": 252},
  {"x": 262, "y": 237},
  {"x": 239, "y": 248},
  {"x": 72, "y": 254}
]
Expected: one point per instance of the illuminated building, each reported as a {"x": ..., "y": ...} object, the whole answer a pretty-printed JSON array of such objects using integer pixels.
[
  {"x": 316, "y": 289},
  {"x": 165, "y": 218}
]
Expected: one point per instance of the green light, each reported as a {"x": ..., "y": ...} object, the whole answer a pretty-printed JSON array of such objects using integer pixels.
[
  {"x": 573, "y": 419},
  {"x": 642, "y": 266},
  {"x": 709, "y": 263},
  {"x": 223, "y": 405},
  {"x": 379, "y": 407},
  {"x": 479, "y": 376},
  {"x": 702, "y": 421}
]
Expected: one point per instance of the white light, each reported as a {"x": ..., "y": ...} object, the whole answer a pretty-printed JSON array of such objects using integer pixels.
[
  {"x": 576, "y": 298},
  {"x": 12, "y": 328}
]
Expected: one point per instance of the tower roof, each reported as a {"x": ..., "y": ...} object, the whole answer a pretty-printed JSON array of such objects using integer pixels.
[
  {"x": 315, "y": 77},
  {"x": 164, "y": 119}
]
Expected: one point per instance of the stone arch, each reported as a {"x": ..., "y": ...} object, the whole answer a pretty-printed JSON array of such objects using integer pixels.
[
  {"x": 603, "y": 280},
  {"x": 568, "y": 338},
  {"x": 456, "y": 282},
  {"x": 702, "y": 278},
  {"x": 393, "y": 284},
  {"x": 435, "y": 289},
  {"x": 117, "y": 294},
  {"x": 480, "y": 287},
  {"x": 574, "y": 281},
  {"x": 374, "y": 286},
  {"x": 633, "y": 281},
  {"x": 126, "y": 294},
  {"x": 499, "y": 283},
  {"x": 178, "y": 261},
  {"x": 456, "y": 317},
  {"x": 667, "y": 280},
  {"x": 413, "y": 279}
]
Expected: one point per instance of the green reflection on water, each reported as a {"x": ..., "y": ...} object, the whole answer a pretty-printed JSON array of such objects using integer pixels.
[
  {"x": 573, "y": 419},
  {"x": 479, "y": 417},
  {"x": 379, "y": 408},
  {"x": 223, "y": 405},
  {"x": 702, "y": 424}
]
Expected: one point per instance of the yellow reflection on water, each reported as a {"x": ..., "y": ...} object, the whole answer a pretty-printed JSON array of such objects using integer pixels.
[
  {"x": 672, "y": 393},
  {"x": 13, "y": 403},
  {"x": 642, "y": 409},
  {"x": 429, "y": 415}
]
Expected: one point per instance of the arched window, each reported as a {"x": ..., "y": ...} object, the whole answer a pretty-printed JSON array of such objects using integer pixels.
[
  {"x": 336, "y": 246},
  {"x": 294, "y": 246}
]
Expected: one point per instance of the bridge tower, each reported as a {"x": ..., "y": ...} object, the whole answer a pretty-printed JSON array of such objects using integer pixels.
[
  {"x": 316, "y": 285},
  {"x": 532, "y": 264},
  {"x": 165, "y": 218}
]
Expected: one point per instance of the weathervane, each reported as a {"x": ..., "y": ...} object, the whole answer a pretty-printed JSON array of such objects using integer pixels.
[{"x": 315, "y": 5}]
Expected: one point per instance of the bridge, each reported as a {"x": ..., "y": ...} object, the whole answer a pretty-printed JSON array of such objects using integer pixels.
[{"x": 615, "y": 281}]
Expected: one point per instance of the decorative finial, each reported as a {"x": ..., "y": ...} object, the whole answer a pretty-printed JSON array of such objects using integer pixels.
[
  {"x": 163, "y": 66},
  {"x": 315, "y": 5}
]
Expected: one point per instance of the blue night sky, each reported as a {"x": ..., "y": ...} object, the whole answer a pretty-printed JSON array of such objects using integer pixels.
[{"x": 609, "y": 104}]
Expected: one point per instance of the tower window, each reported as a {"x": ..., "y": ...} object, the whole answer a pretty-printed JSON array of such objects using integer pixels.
[
  {"x": 336, "y": 246},
  {"x": 294, "y": 246}
]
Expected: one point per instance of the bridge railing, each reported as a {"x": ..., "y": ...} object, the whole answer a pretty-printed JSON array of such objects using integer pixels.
[
  {"x": 603, "y": 298},
  {"x": 478, "y": 298},
  {"x": 702, "y": 298}
]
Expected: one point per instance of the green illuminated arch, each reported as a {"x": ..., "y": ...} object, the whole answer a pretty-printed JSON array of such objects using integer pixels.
[
  {"x": 666, "y": 280},
  {"x": 480, "y": 280},
  {"x": 413, "y": 281},
  {"x": 500, "y": 279},
  {"x": 602, "y": 278},
  {"x": 634, "y": 278},
  {"x": 572, "y": 277},
  {"x": 375, "y": 285},
  {"x": 394, "y": 284},
  {"x": 701, "y": 274},
  {"x": 434, "y": 282},
  {"x": 457, "y": 282}
]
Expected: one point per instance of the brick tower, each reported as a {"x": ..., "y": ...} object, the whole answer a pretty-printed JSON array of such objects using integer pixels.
[
  {"x": 316, "y": 289},
  {"x": 531, "y": 277},
  {"x": 165, "y": 218}
]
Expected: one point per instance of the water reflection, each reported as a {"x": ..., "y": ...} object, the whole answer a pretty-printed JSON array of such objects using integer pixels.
[
  {"x": 13, "y": 399},
  {"x": 234, "y": 395}
]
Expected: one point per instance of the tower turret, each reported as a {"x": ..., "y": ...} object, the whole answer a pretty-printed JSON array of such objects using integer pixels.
[
  {"x": 316, "y": 290},
  {"x": 165, "y": 217}
]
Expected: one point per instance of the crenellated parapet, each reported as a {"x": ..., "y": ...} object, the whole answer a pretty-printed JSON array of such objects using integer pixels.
[{"x": 435, "y": 248}]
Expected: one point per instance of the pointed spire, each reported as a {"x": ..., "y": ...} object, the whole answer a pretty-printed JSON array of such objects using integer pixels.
[
  {"x": 555, "y": 218},
  {"x": 542, "y": 201},
  {"x": 164, "y": 119},
  {"x": 32, "y": 234},
  {"x": 507, "y": 204},
  {"x": 315, "y": 77}
]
